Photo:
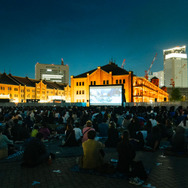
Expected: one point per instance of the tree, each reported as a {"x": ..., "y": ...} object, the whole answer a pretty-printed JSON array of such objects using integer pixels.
[{"x": 175, "y": 95}]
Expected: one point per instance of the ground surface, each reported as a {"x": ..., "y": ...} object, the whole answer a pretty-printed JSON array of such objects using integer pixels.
[{"x": 166, "y": 172}]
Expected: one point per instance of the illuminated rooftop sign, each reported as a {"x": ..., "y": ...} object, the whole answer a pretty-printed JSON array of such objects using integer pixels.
[{"x": 176, "y": 55}]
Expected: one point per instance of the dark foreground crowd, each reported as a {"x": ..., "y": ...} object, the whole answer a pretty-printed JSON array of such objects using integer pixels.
[{"x": 128, "y": 129}]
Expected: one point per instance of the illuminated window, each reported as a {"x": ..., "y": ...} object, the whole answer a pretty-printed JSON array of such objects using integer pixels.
[{"x": 83, "y": 100}]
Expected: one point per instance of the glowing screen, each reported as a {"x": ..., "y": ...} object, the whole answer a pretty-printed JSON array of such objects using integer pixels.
[{"x": 110, "y": 95}]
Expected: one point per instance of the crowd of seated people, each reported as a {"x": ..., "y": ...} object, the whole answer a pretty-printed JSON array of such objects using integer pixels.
[{"x": 146, "y": 126}]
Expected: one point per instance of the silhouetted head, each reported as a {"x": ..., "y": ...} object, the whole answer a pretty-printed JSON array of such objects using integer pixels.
[{"x": 91, "y": 134}]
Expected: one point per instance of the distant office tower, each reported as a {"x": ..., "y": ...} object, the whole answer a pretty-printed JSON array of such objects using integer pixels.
[
  {"x": 53, "y": 73},
  {"x": 159, "y": 75},
  {"x": 175, "y": 67}
]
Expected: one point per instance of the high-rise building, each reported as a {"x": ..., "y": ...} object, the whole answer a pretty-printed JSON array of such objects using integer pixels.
[
  {"x": 53, "y": 73},
  {"x": 175, "y": 67}
]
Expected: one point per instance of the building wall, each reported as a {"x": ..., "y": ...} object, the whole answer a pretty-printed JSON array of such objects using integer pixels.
[
  {"x": 175, "y": 67},
  {"x": 159, "y": 75},
  {"x": 18, "y": 93},
  {"x": 136, "y": 89},
  {"x": 145, "y": 91},
  {"x": 51, "y": 72},
  {"x": 80, "y": 86}
]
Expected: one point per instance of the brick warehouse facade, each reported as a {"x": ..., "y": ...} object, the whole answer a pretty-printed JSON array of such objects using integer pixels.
[
  {"x": 20, "y": 89},
  {"x": 136, "y": 89}
]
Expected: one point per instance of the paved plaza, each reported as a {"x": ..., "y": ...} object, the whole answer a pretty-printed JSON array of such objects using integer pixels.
[{"x": 165, "y": 172}]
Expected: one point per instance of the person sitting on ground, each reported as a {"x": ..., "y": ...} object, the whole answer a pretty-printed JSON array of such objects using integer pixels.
[
  {"x": 4, "y": 141},
  {"x": 103, "y": 128},
  {"x": 113, "y": 135},
  {"x": 169, "y": 132},
  {"x": 78, "y": 133},
  {"x": 126, "y": 154},
  {"x": 126, "y": 122},
  {"x": 35, "y": 131},
  {"x": 86, "y": 130},
  {"x": 35, "y": 152},
  {"x": 184, "y": 124},
  {"x": 154, "y": 138},
  {"x": 45, "y": 131},
  {"x": 179, "y": 140},
  {"x": 7, "y": 131},
  {"x": 70, "y": 139},
  {"x": 92, "y": 152}
]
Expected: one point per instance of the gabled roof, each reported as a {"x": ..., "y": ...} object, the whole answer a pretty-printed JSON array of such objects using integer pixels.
[
  {"x": 16, "y": 80},
  {"x": 6, "y": 79},
  {"x": 111, "y": 67},
  {"x": 54, "y": 85},
  {"x": 24, "y": 80},
  {"x": 154, "y": 78}
]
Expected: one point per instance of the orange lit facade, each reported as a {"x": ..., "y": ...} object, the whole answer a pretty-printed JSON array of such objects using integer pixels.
[
  {"x": 20, "y": 89},
  {"x": 145, "y": 91},
  {"x": 137, "y": 89}
]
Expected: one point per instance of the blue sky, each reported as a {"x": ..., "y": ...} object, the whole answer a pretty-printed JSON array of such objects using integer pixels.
[{"x": 88, "y": 33}]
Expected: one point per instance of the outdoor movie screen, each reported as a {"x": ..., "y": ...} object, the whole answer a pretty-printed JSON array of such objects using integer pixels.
[{"x": 108, "y": 95}]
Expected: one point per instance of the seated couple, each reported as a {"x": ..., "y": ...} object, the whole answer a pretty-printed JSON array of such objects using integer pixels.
[{"x": 93, "y": 157}]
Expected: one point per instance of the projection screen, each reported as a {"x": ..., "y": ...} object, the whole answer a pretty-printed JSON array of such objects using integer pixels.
[{"x": 105, "y": 95}]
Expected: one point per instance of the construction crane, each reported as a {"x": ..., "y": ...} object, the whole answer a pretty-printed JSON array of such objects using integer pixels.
[
  {"x": 122, "y": 66},
  {"x": 147, "y": 71}
]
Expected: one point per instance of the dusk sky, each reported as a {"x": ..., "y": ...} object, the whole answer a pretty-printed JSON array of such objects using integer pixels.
[{"x": 88, "y": 33}]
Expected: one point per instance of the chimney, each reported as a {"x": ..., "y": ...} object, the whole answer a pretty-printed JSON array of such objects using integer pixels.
[{"x": 62, "y": 62}]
